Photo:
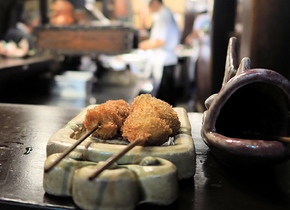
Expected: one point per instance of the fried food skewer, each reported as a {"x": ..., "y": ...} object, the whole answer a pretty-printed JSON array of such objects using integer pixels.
[
  {"x": 101, "y": 121},
  {"x": 150, "y": 123},
  {"x": 114, "y": 158},
  {"x": 110, "y": 117},
  {"x": 150, "y": 119},
  {"x": 47, "y": 168}
]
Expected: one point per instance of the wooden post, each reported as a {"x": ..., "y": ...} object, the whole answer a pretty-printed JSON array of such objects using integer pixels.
[{"x": 269, "y": 45}]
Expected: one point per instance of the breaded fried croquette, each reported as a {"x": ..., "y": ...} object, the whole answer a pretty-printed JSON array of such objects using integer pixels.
[
  {"x": 150, "y": 129},
  {"x": 154, "y": 106},
  {"x": 151, "y": 120},
  {"x": 110, "y": 117}
]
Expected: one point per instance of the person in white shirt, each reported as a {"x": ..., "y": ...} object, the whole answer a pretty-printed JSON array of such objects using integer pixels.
[{"x": 163, "y": 40}]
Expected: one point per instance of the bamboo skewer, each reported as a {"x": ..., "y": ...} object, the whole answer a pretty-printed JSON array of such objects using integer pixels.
[
  {"x": 277, "y": 138},
  {"x": 47, "y": 168},
  {"x": 113, "y": 159},
  {"x": 284, "y": 139}
]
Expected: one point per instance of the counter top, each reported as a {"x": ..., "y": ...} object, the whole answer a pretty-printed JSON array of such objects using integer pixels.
[
  {"x": 25, "y": 130},
  {"x": 6, "y": 63},
  {"x": 17, "y": 69}
]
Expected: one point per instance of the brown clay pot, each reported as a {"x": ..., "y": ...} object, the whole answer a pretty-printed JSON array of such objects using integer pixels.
[{"x": 242, "y": 121}]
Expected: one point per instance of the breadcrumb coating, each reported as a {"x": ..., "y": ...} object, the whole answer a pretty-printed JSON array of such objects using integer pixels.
[
  {"x": 110, "y": 117},
  {"x": 148, "y": 119},
  {"x": 151, "y": 120}
]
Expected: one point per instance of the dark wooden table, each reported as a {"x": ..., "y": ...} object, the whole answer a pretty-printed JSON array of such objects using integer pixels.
[
  {"x": 214, "y": 186},
  {"x": 8, "y": 63},
  {"x": 21, "y": 75},
  {"x": 12, "y": 67}
]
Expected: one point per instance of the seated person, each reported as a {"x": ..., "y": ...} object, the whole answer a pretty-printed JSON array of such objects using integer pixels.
[
  {"x": 62, "y": 13},
  {"x": 18, "y": 41}
]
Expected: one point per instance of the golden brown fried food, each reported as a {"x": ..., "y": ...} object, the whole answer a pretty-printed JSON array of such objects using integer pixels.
[
  {"x": 150, "y": 129},
  {"x": 110, "y": 117},
  {"x": 151, "y": 120},
  {"x": 153, "y": 106}
]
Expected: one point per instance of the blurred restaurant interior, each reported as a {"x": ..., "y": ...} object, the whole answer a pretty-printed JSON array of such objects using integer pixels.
[
  {"x": 96, "y": 58},
  {"x": 232, "y": 152}
]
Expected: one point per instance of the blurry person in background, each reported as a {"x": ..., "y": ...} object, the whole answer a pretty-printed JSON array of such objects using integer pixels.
[
  {"x": 199, "y": 40},
  {"x": 18, "y": 41},
  {"x": 163, "y": 40},
  {"x": 61, "y": 13},
  {"x": 123, "y": 11},
  {"x": 201, "y": 27}
]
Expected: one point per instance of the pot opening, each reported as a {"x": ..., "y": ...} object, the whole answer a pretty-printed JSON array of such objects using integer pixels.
[{"x": 255, "y": 109}]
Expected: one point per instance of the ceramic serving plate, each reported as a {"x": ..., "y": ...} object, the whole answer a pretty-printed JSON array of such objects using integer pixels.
[{"x": 181, "y": 150}]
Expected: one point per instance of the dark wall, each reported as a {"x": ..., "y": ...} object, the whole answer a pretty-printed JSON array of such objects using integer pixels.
[{"x": 9, "y": 11}]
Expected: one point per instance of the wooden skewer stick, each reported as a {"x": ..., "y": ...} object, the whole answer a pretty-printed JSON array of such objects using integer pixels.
[
  {"x": 113, "y": 159},
  {"x": 278, "y": 138},
  {"x": 284, "y": 139},
  {"x": 47, "y": 168},
  {"x": 272, "y": 137}
]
